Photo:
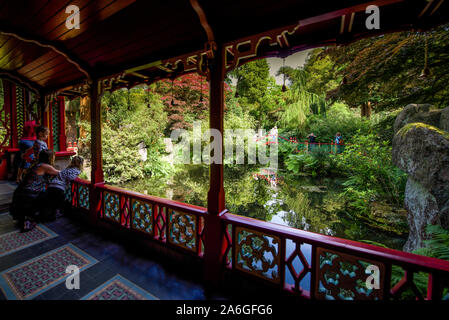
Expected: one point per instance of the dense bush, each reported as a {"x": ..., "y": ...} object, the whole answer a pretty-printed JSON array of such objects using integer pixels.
[
  {"x": 339, "y": 118},
  {"x": 318, "y": 162},
  {"x": 126, "y": 125},
  {"x": 371, "y": 173}
]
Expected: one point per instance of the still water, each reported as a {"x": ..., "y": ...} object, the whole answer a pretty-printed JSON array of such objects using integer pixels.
[{"x": 307, "y": 203}]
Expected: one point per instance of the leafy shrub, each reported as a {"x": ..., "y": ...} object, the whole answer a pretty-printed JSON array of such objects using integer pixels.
[
  {"x": 383, "y": 123},
  {"x": 126, "y": 125},
  {"x": 372, "y": 175},
  {"x": 339, "y": 118},
  {"x": 316, "y": 162}
]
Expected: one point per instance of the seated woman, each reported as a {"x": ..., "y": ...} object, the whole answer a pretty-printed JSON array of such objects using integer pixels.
[
  {"x": 29, "y": 196},
  {"x": 58, "y": 185}
]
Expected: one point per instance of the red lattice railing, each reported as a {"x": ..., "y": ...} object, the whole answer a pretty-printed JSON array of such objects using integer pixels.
[
  {"x": 327, "y": 267},
  {"x": 173, "y": 223},
  {"x": 303, "y": 263}
]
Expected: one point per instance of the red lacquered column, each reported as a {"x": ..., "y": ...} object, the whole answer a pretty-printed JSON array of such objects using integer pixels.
[
  {"x": 213, "y": 229},
  {"x": 96, "y": 151}
]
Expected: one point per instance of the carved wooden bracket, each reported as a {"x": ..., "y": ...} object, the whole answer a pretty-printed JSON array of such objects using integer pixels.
[{"x": 247, "y": 48}]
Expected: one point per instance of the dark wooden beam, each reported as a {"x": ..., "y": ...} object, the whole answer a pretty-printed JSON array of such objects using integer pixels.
[
  {"x": 203, "y": 20},
  {"x": 95, "y": 122}
]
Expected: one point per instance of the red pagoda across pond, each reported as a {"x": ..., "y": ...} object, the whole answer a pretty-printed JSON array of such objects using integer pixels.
[{"x": 119, "y": 44}]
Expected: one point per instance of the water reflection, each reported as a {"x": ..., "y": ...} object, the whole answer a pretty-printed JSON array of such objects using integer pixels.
[{"x": 301, "y": 202}]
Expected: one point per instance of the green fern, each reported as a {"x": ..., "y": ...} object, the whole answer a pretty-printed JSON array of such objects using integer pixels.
[{"x": 438, "y": 244}]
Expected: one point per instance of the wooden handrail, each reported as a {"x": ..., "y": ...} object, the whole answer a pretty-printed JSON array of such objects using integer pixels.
[
  {"x": 349, "y": 246},
  {"x": 189, "y": 208},
  {"x": 411, "y": 263}
]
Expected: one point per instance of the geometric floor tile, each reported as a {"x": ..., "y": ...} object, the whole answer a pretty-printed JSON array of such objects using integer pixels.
[
  {"x": 119, "y": 288},
  {"x": 15, "y": 241},
  {"x": 33, "y": 277}
]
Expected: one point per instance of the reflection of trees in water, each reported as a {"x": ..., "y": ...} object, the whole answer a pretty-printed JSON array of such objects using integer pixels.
[
  {"x": 300, "y": 208},
  {"x": 314, "y": 211},
  {"x": 301, "y": 214}
]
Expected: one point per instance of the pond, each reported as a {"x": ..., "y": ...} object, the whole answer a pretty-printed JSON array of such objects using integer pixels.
[{"x": 303, "y": 202}]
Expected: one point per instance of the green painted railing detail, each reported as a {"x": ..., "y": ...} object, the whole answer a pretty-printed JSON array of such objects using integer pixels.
[
  {"x": 20, "y": 110},
  {"x": 55, "y": 125}
]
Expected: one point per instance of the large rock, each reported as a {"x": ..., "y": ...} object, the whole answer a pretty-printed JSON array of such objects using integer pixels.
[
  {"x": 444, "y": 119},
  {"x": 423, "y": 209},
  {"x": 418, "y": 113},
  {"x": 422, "y": 151}
]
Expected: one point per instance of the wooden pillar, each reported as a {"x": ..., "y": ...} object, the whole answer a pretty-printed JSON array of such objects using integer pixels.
[
  {"x": 96, "y": 151},
  {"x": 213, "y": 229},
  {"x": 61, "y": 114},
  {"x": 95, "y": 142},
  {"x": 216, "y": 197}
]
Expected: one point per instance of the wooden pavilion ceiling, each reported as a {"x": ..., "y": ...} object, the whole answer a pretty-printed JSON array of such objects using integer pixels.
[{"x": 143, "y": 40}]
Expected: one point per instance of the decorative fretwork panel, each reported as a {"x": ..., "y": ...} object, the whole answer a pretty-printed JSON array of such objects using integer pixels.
[
  {"x": 344, "y": 277},
  {"x": 83, "y": 197},
  {"x": 111, "y": 206},
  {"x": 55, "y": 124},
  {"x": 68, "y": 194},
  {"x": 20, "y": 110},
  {"x": 142, "y": 216},
  {"x": 257, "y": 253},
  {"x": 182, "y": 229},
  {"x": 228, "y": 244},
  {"x": 297, "y": 264},
  {"x": 160, "y": 222}
]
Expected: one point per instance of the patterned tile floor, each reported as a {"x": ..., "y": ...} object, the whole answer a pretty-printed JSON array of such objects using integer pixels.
[{"x": 33, "y": 266}]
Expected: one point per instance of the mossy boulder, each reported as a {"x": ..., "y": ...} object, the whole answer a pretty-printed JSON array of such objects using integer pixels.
[
  {"x": 422, "y": 151},
  {"x": 424, "y": 113}
]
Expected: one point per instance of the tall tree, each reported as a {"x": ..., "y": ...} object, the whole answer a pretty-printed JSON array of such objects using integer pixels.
[
  {"x": 387, "y": 71},
  {"x": 300, "y": 99},
  {"x": 252, "y": 80}
]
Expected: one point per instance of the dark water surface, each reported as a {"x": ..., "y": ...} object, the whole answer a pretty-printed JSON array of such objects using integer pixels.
[{"x": 307, "y": 203}]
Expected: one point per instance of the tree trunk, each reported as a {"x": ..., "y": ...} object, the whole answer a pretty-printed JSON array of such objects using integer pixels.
[{"x": 365, "y": 110}]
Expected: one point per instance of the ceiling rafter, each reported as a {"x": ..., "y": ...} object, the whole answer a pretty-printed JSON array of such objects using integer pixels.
[
  {"x": 276, "y": 41},
  {"x": 211, "y": 45},
  {"x": 56, "y": 47}
]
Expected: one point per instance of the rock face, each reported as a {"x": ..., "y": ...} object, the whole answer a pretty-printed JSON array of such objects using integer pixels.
[
  {"x": 444, "y": 119},
  {"x": 418, "y": 113},
  {"x": 423, "y": 209},
  {"x": 422, "y": 150}
]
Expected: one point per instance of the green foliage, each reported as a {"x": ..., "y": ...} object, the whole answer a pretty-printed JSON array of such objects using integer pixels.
[
  {"x": 339, "y": 118},
  {"x": 317, "y": 162},
  {"x": 322, "y": 72},
  {"x": 285, "y": 150},
  {"x": 299, "y": 100},
  {"x": 385, "y": 70},
  {"x": 252, "y": 80},
  {"x": 126, "y": 126},
  {"x": 383, "y": 124},
  {"x": 372, "y": 175},
  {"x": 437, "y": 247},
  {"x": 438, "y": 244},
  {"x": 84, "y": 176}
]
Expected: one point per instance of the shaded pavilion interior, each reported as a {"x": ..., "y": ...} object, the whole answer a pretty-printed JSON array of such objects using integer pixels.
[{"x": 121, "y": 44}]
